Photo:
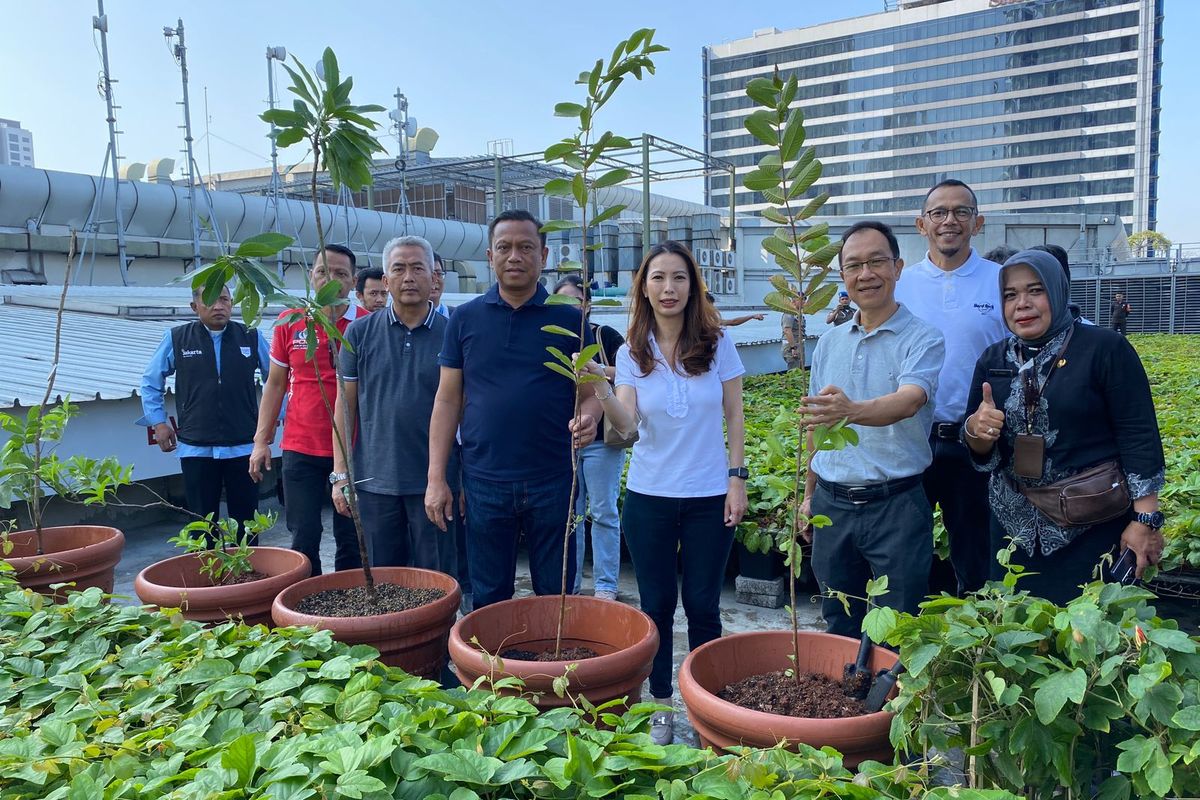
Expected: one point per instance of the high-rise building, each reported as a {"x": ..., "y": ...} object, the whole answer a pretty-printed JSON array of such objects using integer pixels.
[
  {"x": 1039, "y": 105},
  {"x": 16, "y": 144}
]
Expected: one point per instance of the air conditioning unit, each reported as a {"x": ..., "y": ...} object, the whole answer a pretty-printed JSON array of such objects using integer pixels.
[
  {"x": 565, "y": 251},
  {"x": 729, "y": 258},
  {"x": 704, "y": 257},
  {"x": 718, "y": 258},
  {"x": 731, "y": 285}
]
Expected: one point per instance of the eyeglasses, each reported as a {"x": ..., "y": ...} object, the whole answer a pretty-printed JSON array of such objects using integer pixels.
[
  {"x": 962, "y": 213},
  {"x": 876, "y": 264}
]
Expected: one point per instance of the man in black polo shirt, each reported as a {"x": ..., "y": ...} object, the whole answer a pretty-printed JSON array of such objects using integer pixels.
[
  {"x": 213, "y": 360},
  {"x": 391, "y": 371},
  {"x": 517, "y": 419}
]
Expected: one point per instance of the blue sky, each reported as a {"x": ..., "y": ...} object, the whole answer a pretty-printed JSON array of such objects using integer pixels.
[{"x": 473, "y": 71}]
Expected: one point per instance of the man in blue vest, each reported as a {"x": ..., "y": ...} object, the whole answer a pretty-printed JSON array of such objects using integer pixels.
[{"x": 213, "y": 360}]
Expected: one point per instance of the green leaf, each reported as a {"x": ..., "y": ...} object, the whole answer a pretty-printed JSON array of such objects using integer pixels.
[
  {"x": 612, "y": 178},
  {"x": 357, "y": 707},
  {"x": 793, "y": 136},
  {"x": 1187, "y": 718},
  {"x": 819, "y": 300},
  {"x": 783, "y": 254},
  {"x": 561, "y": 370},
  {"x": 461, "y": 766},
  {"x": 560, "y": 330},
  {"x": 760, "y": 180},
  {"x": 356, "y": 783},
  {"x": 761, "y": 125},
  {"x": 329, "y": 294},
  {"x": 806, "y": 178},
  {"x": 567, "y": 109},
  {"x": 558, "y": 187},
  {"x": 762, "y": 91},
  {"x": 918, "y": 659},
  {"x": 879, "y": 623},
  {"x": 562, "y": 300},
  {"x": 607, "y": 214},
  {"x": 579, "y": 190},
  {"x": 554, "y": 225},
  {"x": 1053, "y": 691},
  {"x": 813, "y": 206},
  {"x": 240, "y": 756}
]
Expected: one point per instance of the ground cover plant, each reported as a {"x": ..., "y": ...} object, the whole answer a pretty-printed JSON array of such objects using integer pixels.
[{"x": 100, "y": 700}]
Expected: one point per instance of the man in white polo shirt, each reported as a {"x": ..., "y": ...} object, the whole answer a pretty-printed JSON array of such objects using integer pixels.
[{"x": 957, "y": 291}]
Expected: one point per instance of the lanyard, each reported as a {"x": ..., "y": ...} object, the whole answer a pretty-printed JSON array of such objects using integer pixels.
[{"x": 1033, "y": 388}]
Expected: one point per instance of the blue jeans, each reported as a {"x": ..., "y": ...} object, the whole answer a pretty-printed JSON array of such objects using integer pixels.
[
  {"x": 660, "y": 532},
  {"x": 498, "y": 514},
  {"x": 599, "y": 484}
]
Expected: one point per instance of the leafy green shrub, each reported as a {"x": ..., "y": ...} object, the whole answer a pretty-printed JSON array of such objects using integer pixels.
[
  {"x": 107, "y": 701},
  {"x": 1099, "y": 693}
]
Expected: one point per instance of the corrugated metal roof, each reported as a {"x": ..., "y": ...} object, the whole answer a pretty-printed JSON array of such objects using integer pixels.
[
  {"x": 110, "y": 333},
  {"x": 103, "y": 354}
]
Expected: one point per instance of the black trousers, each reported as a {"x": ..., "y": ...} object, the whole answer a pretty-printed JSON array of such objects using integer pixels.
[
  {"x": 952, "y": 482},
  {"x": 307, "y": 489},
  {"x": 205, "y": 478},
  {"x": 661, "y": 532},
  {"x": 399, "y": 533},
  {"x": 1058, "y": 576},
  {"x": 892, "y": 536}
]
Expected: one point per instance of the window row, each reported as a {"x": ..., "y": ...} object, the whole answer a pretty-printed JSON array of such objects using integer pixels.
[
  {"x": 957, "y": 69},
  {"x": 1010, "y": 15},
  {"x": 947, "y": 114},
  {"x": 1004, "y": 40}
]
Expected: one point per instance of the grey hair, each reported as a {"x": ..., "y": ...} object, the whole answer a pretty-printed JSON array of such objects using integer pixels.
[{"x": 408, "y": 241}]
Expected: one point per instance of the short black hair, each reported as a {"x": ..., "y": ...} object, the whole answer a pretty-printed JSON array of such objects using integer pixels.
[
  {"x": 367, "y": 274},
  {"x": 1058, "y": 253},
  {"x": 437, "y": 259},
  {"x": 577, "y": 282},
  {"x": 343, "y": 250},
  {"x": 1000, "y": 253},
  {"x": 951, "y": 182},
  {"x": 872, "y": 225},
  {"x": 515, "y": 215}
]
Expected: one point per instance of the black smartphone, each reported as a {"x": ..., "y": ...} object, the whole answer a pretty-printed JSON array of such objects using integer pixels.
[{"x": 1123, "y": 569}]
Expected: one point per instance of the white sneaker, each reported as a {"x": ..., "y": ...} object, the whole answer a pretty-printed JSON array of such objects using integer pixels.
[
  {"x": 605, "y": 594},
  {"x": 662, "y": 727}
]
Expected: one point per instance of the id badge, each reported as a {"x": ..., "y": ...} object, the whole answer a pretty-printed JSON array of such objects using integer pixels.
[{"x": 1028, "y": 455}]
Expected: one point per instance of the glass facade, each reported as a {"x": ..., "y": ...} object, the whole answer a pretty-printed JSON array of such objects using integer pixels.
[{"x": 1008, "y": 98}]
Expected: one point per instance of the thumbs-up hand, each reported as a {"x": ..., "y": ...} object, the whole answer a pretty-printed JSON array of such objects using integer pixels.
[{"x": 987, "y": 421}]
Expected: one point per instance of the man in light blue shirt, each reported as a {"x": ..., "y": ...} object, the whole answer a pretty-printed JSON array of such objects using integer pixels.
[
  {"x": 214, "y": 360},
  {"x": 879, "y": 371},
  {"x": 958, "y": 292}
]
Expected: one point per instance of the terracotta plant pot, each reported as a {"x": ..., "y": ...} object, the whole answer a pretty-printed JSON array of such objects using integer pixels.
[
  {"x": 414, "y": 640},
  {"x": 178, "y": 583},
  {"x": 713, "y": 666},
  {"x": 625, "y": 638},
  {"x": 83, "y": 554}
]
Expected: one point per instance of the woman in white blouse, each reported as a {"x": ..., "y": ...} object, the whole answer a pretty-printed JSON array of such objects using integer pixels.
[{"x": 679, "y": 383}]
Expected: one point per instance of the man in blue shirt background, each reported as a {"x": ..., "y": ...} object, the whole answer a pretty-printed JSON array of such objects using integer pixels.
[
  {"x": 518, "y": 420},
  {"x": 216, "y": 399}
]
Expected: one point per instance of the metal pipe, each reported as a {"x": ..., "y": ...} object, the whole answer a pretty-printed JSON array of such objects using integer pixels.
[
  {"x": 273, "y": 53},
  {"x": 100, "y": 23},
  {"x": 181, "y": 55},
  {"x": 733, "y": 209},
  {"x": 499, "y": 185},
  {"x": 645, "y": 194}
]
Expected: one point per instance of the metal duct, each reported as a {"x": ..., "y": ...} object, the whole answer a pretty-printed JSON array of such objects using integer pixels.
[
  {"x": 59, "y": 201},
  {"x": 660, "y": 206}
]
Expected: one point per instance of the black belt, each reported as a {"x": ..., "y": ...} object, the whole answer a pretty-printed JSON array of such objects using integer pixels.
[
  {"x": 872, "y": 491},
  {"x": 946, "y": 430}
]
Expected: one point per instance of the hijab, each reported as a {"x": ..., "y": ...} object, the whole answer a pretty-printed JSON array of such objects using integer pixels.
[{"x": 1050, "y": 272}]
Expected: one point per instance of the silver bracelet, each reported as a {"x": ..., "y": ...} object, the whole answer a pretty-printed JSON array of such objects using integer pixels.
[{"x": 609, "y": 396}]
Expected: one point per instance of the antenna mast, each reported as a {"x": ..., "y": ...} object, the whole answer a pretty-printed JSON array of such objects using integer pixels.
[
  {"x": 100, "y": 23},
  {"x": 180, "y": 53}
]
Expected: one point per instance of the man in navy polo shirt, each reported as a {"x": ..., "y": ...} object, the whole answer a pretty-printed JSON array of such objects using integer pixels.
[{"x": 517, "y": 419}]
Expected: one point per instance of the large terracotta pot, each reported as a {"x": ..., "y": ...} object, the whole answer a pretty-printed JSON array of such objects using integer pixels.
[
  {"x": 178, "y": 583},
  {"x": 720, "y": 725},
  {"x": 625, "y": 638},
  {"x": 81, "y": 554},
  {"x": 413, "y": 640}
]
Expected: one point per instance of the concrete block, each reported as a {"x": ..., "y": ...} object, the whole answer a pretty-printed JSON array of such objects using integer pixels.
[{"x": 762, "y": 593}]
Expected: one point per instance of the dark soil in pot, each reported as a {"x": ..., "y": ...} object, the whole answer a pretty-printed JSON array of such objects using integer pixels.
[
  {"x": 805, "y": 695},
  {"x": 566, "y": 654},
  {"x": 355, "y": 602}
]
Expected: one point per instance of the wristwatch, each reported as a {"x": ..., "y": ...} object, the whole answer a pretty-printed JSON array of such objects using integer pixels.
[
  {"x": 739, "y": 472},
  {"x": 1153, "y": 520},
  {"x": 335, "y": 477}
]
